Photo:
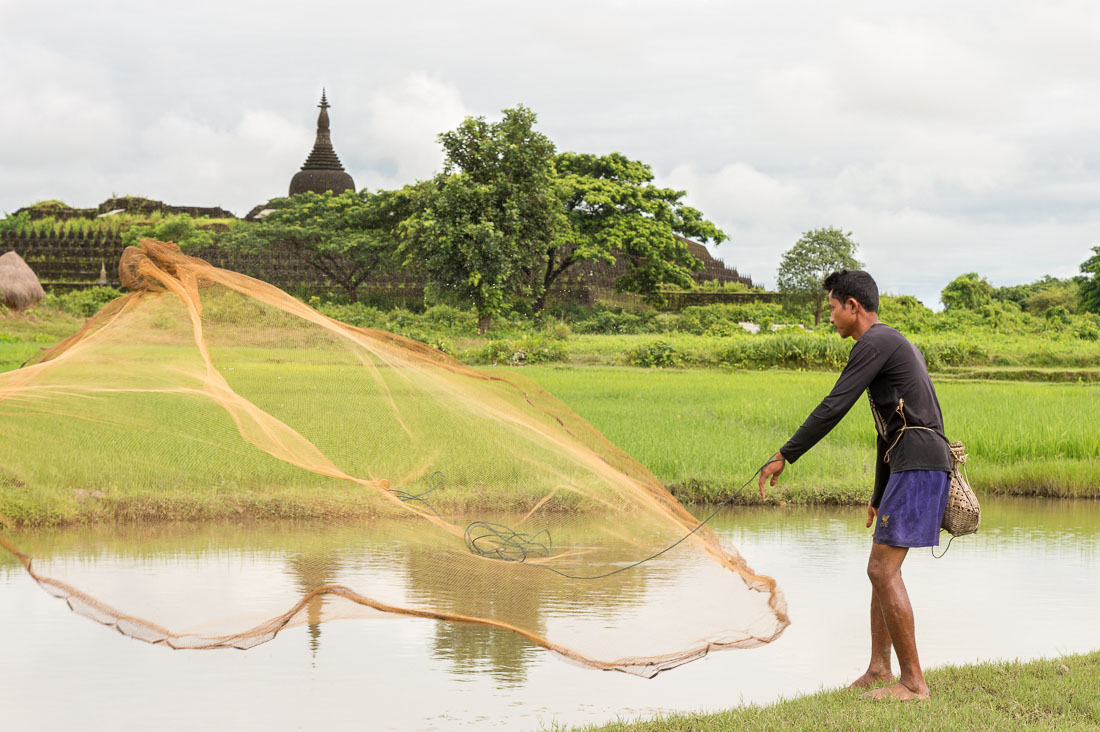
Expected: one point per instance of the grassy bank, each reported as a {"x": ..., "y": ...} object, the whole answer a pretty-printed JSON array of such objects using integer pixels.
[{"x": 1052, "y": 694}]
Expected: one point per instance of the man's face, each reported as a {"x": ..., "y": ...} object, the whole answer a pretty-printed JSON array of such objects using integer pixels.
[{"x": 842, "y": 316}]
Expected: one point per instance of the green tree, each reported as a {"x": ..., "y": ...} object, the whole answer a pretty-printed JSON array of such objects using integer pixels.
[
  {"x": 967, "y": 292},
  {"x": 181, "y": 229},
  {"x": 15, "y": 223},
  {"x": 1089, "y": 288},
  {"x": 1062, "y": 294},
  {"x": 345, "y": 237},
  {"x": 481, "y": 228},
  {"x": 612, "y": 209},
  {"x": 815, "y": 256}
]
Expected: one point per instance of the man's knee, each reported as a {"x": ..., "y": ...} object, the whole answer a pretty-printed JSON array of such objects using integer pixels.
[{"x": 881, "y": 573}]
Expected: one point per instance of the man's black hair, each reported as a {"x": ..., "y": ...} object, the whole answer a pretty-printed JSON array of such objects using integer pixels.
[{"x": 854, "y": 283}]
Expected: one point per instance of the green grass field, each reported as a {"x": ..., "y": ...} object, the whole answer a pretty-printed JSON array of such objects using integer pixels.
[
  {"x": 1050, "y": 694},
  {"x": 701, "y": 432},
  {"x": 705, "y": 432}
]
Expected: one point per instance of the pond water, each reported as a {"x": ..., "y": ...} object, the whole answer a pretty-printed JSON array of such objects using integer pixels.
[{"x": 1026, "y": 586}]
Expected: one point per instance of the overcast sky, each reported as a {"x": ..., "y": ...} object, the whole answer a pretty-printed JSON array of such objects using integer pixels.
[{"x": 946, "y": 136}]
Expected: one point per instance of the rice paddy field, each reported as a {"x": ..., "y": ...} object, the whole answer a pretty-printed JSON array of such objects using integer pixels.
[
  {"x": 701, "y": 431},
  {"x": 705, "y": 432}
]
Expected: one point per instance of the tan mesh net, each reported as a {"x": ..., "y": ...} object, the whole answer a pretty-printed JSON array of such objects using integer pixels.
[{"x": 211, "y": 382}]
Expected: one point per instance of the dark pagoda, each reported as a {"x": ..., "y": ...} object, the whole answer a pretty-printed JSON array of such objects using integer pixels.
[{"x": 322, "y": 170}]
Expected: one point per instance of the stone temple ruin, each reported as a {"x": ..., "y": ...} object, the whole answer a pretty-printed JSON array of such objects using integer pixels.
[{"x": 322, "y": 170}]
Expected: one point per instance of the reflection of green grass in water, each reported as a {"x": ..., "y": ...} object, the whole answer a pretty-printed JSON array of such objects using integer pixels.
[
  {"x": 1005, "y": 519},
  {"x": 706, "y": 432},
  {"x": 1049, "y": 694}
]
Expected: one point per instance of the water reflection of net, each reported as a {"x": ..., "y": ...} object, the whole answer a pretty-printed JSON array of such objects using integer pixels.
[{"x": 210, "y": 380}]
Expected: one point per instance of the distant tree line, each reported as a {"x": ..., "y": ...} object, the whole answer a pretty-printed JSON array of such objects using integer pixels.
[
  {"x": 1048, "y": 296},
  {"x": 818, "y": 252}
]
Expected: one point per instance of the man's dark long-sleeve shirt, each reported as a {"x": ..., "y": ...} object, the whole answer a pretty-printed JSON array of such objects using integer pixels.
[{"x": 888, "y": 367}]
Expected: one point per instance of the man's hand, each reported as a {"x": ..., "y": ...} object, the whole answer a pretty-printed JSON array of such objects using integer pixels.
[
  {"x": 772, "y": 470},
  {"x": 871, "y": 513}
]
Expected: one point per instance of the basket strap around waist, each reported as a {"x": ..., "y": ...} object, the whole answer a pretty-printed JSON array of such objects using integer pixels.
[{"x": 906, "y": 426}]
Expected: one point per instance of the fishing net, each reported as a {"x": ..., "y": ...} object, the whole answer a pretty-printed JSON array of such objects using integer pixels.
[{"x": 429, "y": 489}]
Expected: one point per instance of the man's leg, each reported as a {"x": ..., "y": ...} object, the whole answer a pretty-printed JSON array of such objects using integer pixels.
[
  {"x": 884, "y": 570},
  {"x": 878, "y": 669}
]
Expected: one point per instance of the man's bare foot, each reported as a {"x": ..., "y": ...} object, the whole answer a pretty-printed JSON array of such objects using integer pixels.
[
  {"x": 896, "y": 691},
  {"x": 870, "y": 678}
]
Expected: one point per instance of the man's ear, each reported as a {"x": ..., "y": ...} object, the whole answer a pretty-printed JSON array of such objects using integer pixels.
[{"x": 853, "y": 305}]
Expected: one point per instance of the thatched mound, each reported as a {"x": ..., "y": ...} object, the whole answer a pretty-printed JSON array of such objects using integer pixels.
[{"x": 19, "y": 287}]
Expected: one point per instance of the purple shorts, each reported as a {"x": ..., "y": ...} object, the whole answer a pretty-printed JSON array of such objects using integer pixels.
[{"x": 911, "y": 510}]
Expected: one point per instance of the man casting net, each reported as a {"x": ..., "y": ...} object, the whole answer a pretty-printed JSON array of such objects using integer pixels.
[{"x": 210, "y": 381}]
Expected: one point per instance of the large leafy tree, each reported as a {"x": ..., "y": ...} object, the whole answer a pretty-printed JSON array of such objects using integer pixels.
[
  {"x": 815, "y": 256},
  {"x": 1089, "y": 290},
  {"x": 612, "y": 209},
  {"x": 481, "y": 227},
  {"x": 346, "y": 237}
]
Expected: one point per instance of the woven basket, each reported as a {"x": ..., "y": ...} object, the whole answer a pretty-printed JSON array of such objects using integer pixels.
[{"x": 963, "y": 514}]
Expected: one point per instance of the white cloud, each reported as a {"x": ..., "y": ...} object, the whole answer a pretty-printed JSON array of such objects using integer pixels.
[
  {"x": 398, "y": 141},
  {"x": 914, "y": 72},
  {"x": 53, "y": 106},
  {"x": 960, "y": 132},
  {"x": 736, "y": 192},
  {"x": 924, "y": 166},
  {"x": 189, "y": 162}
]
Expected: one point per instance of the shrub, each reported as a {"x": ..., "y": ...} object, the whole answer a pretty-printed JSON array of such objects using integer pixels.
[
  {"x": 179, "y": 228},
  {"x": 951, "y": 352},
  {"x": 1063, "y": 296},
  {"x": 789, "y": 350},
  {"x": 723, "y": 329},
  {"x": 905, "y": 312},
  {"x": 655, "y": 355},
  {"x": 518, "y": 352},
  {"x": 1088, "y": 327},
  {"x": 359, "y": 315},
  {"x": 82, "y": 303},
  {"x": 608, "y": 322},
  {"x": 1058, "y": 314},
  {"x": 558, "y": 330},
  {"x": 967, "y": 292},
  {"x": 452, "y": 318}
]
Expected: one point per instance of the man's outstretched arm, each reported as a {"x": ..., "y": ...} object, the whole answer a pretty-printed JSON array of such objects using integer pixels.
[{"x": 863, "y": 365}]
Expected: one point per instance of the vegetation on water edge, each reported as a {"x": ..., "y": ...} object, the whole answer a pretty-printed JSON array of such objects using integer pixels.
[
  {"x": 1049, "y": 694},
  {"x": 82, "y": 507}
]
